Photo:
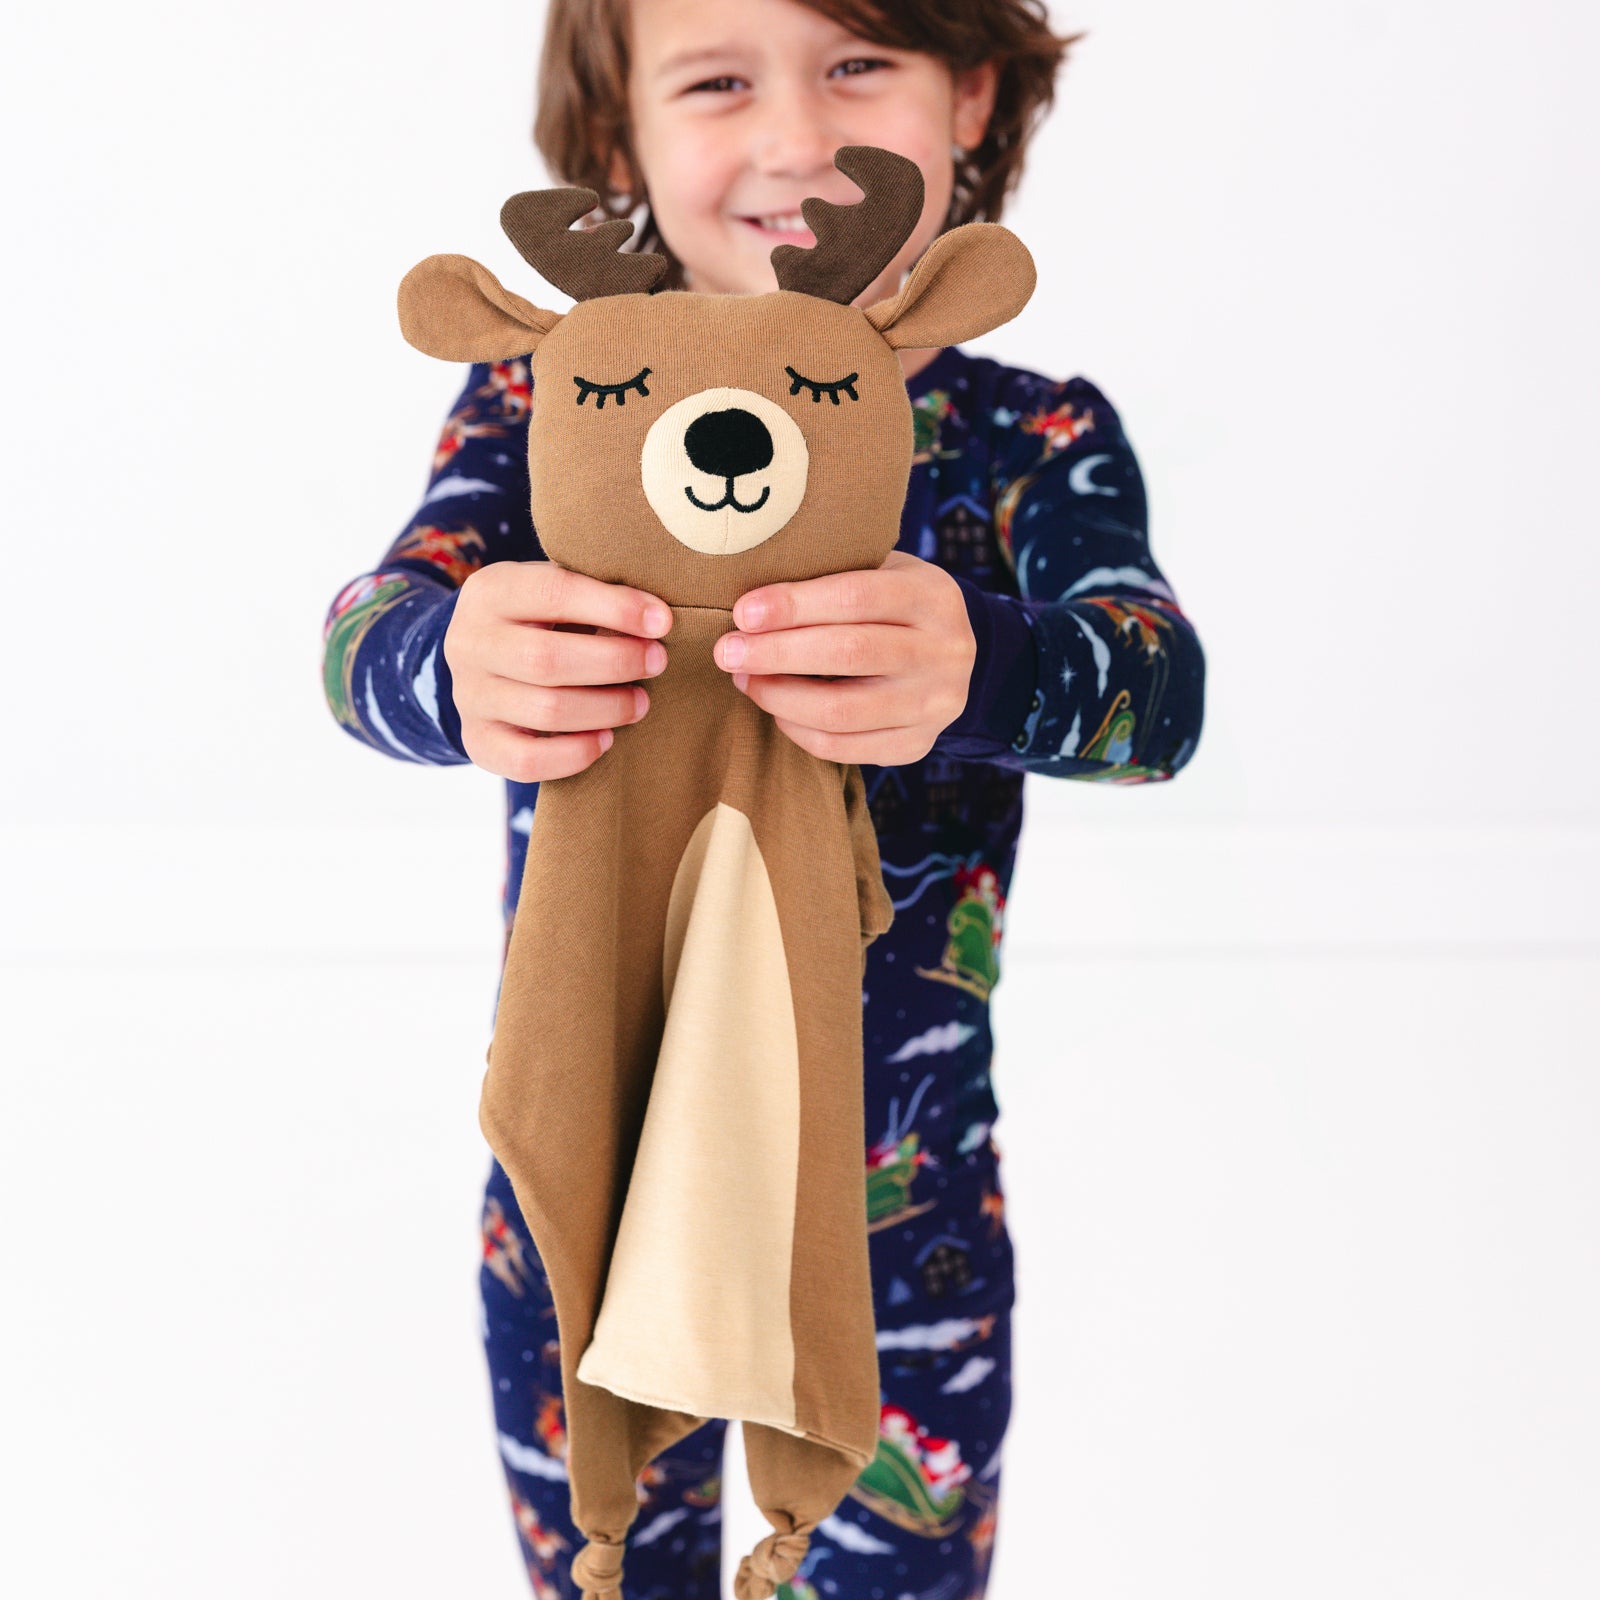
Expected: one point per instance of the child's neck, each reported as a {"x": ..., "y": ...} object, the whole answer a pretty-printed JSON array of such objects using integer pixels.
[{"x": 913, "y": 361}]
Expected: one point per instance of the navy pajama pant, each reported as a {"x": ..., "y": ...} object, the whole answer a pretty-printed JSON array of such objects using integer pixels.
[{"x": 920, "y": 1521}]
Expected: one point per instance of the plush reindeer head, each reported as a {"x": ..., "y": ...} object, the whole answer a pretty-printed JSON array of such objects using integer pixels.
[{"x": 700, "y": 445}]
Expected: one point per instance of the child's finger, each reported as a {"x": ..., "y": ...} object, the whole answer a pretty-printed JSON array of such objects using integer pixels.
[
  {"x": 884, "y": 747},
  {"x": 553, "y": 656},
  {"x": 525, "y": 757},
  {"x": 541, "y": 709},
  {"x": 863, "y": 594},
  {"x": 836, "y": 705},
  {"x": 858, "y": 649},
  {"x": 542, "y": 591}
]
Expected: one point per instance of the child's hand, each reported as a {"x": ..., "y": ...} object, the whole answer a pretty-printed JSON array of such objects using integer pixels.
[
  {"x": 898, "y": 635},
  {"x": 523, "y": 635}
]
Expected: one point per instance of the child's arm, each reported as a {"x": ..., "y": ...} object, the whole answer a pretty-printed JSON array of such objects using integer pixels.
[
  {"x": 1094, "y": 671},
  {"x": 385, "y": 677}
]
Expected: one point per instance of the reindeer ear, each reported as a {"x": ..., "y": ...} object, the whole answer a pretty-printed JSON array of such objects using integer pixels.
[
  {"x": 968, "y": 282},
  {"x": 453, "y": 308}
]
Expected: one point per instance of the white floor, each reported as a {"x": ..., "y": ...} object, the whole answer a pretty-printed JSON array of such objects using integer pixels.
[{"x": 1308, "y": 1243}]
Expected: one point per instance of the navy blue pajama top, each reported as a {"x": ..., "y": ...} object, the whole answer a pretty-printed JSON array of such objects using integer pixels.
[{"x": 1027, "y": 491}]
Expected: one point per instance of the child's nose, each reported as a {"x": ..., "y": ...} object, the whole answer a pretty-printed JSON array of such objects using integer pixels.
[
  {"x": 795, "y": 137},
  {"x": 728, "y": 444}
]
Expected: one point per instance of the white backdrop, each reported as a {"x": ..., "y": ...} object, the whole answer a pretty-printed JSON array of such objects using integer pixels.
[{"x": 1295, "y": 1054}]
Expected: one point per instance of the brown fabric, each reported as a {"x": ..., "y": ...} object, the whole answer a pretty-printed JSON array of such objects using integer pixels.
[
  {"x": 683, "y": 980},
  {"x": 774, "y": 1560},
  {"x": 456, "y": 309},
  {"x": 597, "y": 1570},
  {"x": 937, "y": 306},
  {"x": 854, "y": 242},
  {"x": 584, "y": 264},
  {"x": 590, "y": 503},
  {"x": 577, "y": 1035}
]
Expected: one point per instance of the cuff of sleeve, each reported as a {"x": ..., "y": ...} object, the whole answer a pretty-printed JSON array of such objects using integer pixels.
[
  {"x": 1005, "y": 676},
  {"x": 448, "y": 717},
  {"x": 428, "y": 641}
]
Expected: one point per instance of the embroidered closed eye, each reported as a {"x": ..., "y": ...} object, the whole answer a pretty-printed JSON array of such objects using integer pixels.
[
  {"x": 610, "y": 391},
  {"x": 832, "y": 390}
]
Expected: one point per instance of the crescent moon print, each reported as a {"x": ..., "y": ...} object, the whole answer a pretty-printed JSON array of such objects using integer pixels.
[{"x": 1081, "y": 479}]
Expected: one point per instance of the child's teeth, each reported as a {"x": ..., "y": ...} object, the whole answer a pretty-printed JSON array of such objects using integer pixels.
[{"x": 793, "y": 222}]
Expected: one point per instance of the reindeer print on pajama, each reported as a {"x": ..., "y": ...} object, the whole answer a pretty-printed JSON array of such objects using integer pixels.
[{"x": 1026, "y": 489}]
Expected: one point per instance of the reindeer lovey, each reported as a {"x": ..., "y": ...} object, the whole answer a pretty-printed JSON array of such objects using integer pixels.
[{"x": 675, "y": 1078}]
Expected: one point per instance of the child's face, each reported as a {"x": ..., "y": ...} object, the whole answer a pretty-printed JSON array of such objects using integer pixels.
[{"x": 737, "y": 108}]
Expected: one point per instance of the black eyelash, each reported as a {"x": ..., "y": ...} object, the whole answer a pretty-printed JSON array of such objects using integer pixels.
[
  {"x": 848, "y": 385},
  {"x": 605, "y": 391}
]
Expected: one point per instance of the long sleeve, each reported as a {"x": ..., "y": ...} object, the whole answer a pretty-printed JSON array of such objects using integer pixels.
[
  {"x": 1110, "y": 683},
  {"x": 384, "y": 673},
  {"x": 1005, "y": 674}
]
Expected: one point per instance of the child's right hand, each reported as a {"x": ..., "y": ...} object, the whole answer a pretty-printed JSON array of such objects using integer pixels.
[{"x": 524, "y": 636}]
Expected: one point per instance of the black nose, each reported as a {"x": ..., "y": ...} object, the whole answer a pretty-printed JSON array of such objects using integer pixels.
[{"x": 728, "y": 444}]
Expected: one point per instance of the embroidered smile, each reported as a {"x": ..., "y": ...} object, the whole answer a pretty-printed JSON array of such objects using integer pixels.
[{"x": 729, "y": 499}]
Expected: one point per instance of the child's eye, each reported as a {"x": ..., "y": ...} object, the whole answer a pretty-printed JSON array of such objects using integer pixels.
[
  {"x": 832, "y": 389},
  {"x": 857, "y": 65},
  {"x": 716, "y": 85},
  {"x": 605, "y": 391}
]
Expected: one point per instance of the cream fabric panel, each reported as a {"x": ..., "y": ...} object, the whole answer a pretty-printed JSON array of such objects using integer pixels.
[{"x": 696, "y": 1306}]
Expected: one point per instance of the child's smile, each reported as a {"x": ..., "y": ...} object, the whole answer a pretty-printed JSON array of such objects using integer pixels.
[
  {"x": 737, "y": 108},
  {"x": 787, "y": 227}
]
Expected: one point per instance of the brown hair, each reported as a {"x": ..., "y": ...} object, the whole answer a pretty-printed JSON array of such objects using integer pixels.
[{"x": 582, "y": 118}]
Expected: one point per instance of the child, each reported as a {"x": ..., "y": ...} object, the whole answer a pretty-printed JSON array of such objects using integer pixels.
[{"x": 1021, "y": 626}]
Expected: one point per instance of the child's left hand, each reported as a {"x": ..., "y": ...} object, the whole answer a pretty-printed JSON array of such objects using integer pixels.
[{"x": 897, "y": 636}]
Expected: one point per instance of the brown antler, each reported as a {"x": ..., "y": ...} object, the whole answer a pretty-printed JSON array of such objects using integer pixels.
[
  {"x": 856, "y": 242},
  {"x": 584, "y": 264}
]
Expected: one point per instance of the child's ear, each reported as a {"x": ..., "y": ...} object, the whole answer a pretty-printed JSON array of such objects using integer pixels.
[
  {"x": 968, "y": 282},
  {"x": 453, "y": 308}
]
